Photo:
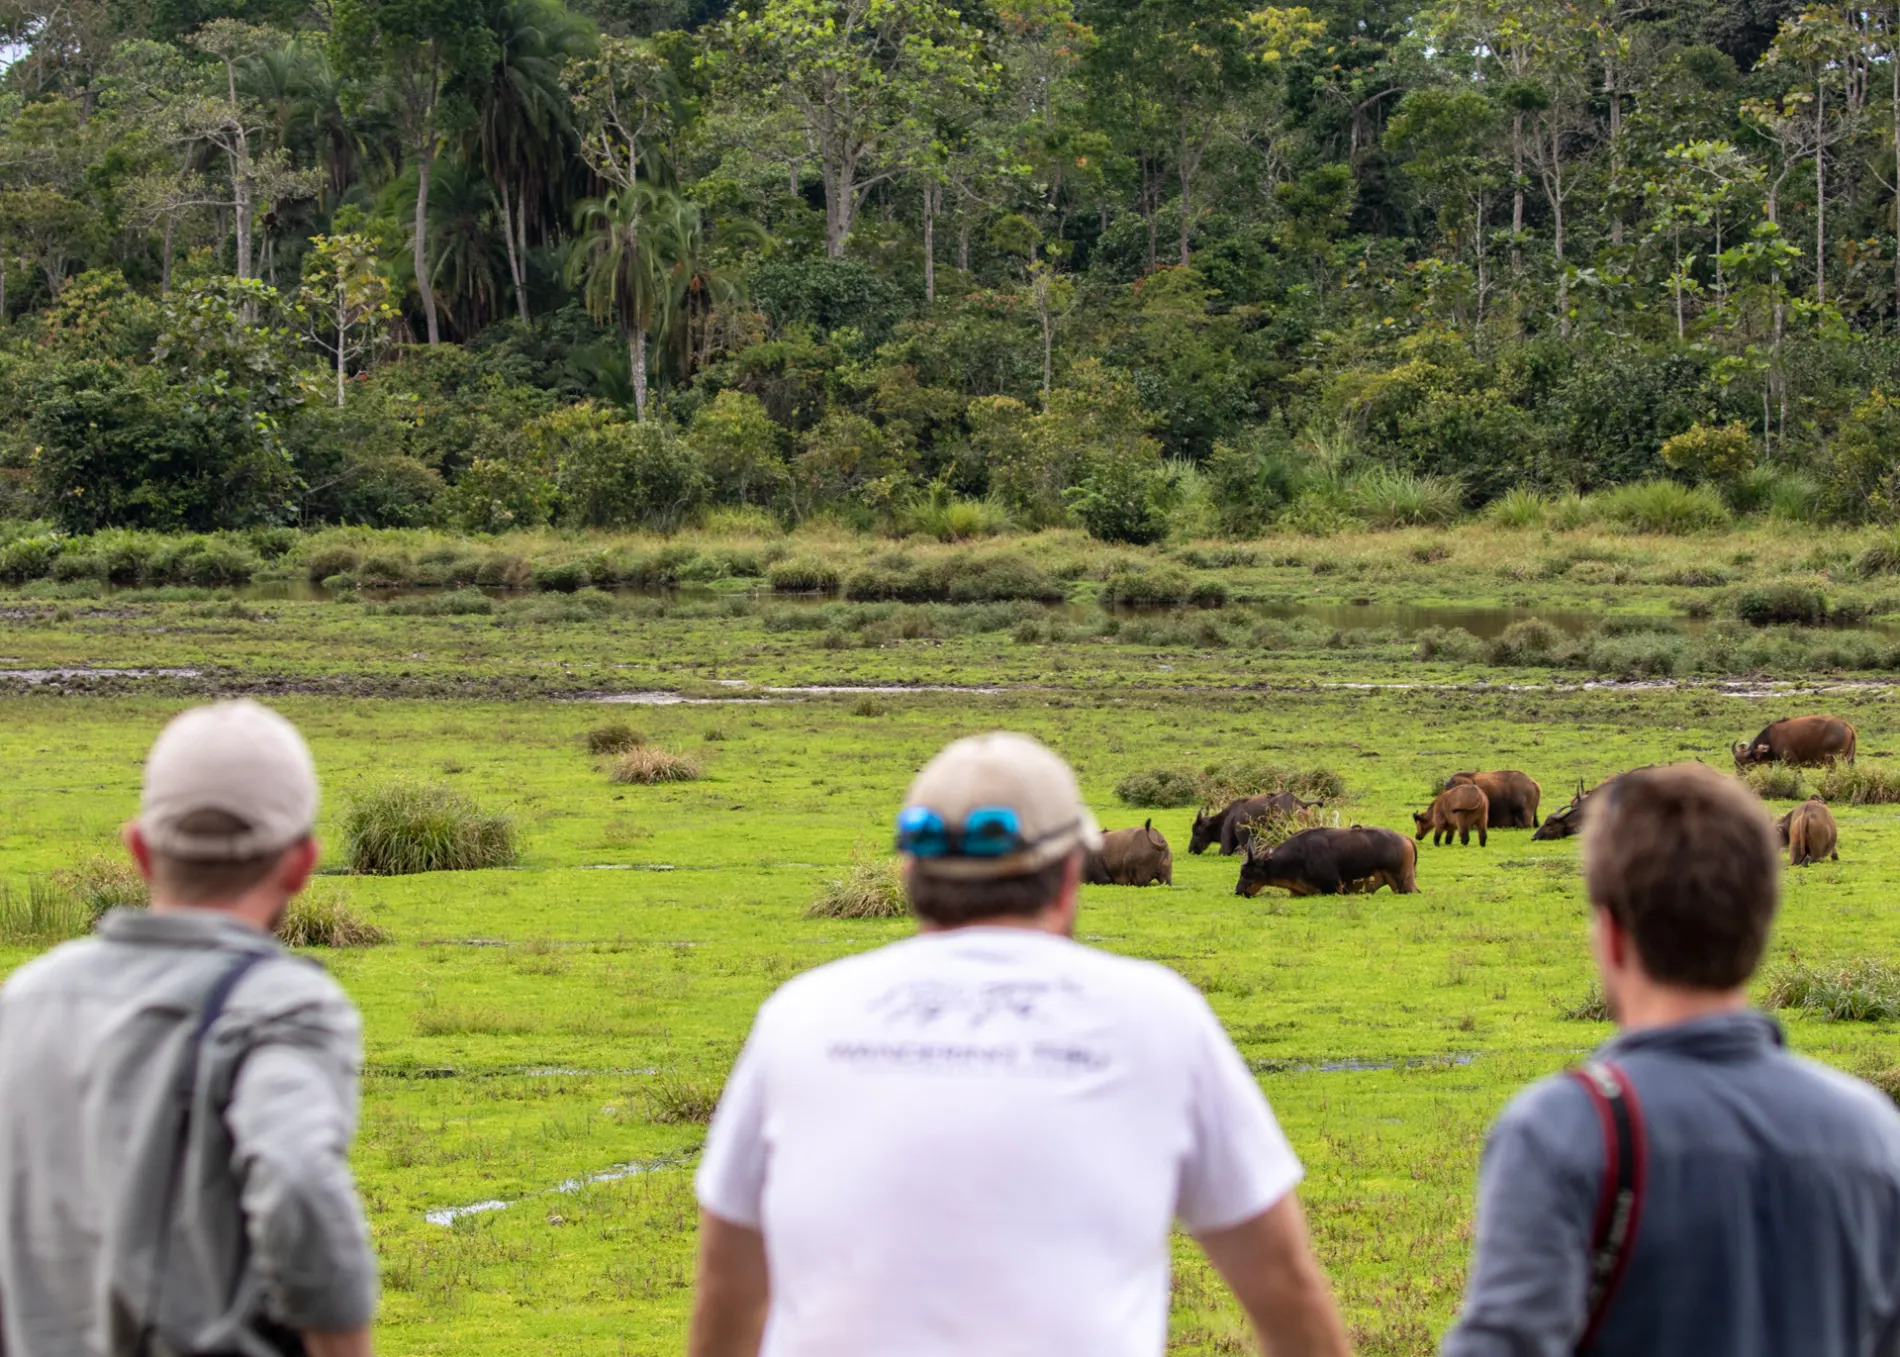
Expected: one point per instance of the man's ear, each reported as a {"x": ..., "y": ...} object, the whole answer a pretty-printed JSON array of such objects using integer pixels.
[
  {"x": 297, "y": 865},
  {"x": 134, "y": 840}
]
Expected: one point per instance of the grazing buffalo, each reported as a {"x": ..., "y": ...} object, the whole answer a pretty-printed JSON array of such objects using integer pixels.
[
  {"x": 1459, "y": 809},
  {"x": 1805, "y": 741},
  {"x": 1561, "y": 824},
  {"x": 1130, "y": 857},
  {"x": 1513, "y": 796},
  {"x": 1229, "y": 828},
  {"x": 1333, "y": 861},
  {"x": 1809, "y": 833}
]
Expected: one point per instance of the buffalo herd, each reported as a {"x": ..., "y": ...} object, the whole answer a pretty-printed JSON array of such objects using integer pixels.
[{"x": 1318, "y": 860}]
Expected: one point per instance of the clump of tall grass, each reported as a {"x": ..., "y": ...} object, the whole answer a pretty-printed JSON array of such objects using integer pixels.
[
  {"x": 1219, "y": 783},
  {"x": 1861, "y": 991},
  {"x": 1662, "y": 507},
  {"x": 938, "y": 513},
  {"x": 403, "y": 827},
  {"x": 1859, "y": 784},
  {"x": 1532, "y": 641},
  {"x": 1446, "y": 643},
  {"x": 323, "y": 917},
  {"x": 1784, "y": 601},
  {"x": 613, "y": 737},
  {"x": 40, "y": 914},
  {"x": 674, "y": 1102},
  {"x": 1593, "y": 1007},
  {"x": 1276, "y": 828},
  {"x": 101, "y": 882},
  {"x": 1519, "y": 507},
  {"x": 872, "y": 889},
  {"x": 802, "y": 575},
  {"x": 454, "y": 603},
  {"x": 1161, "y": 788},
  {"x": 1776, "y": 782},
  {"x": 648, "y": 766},
  {"x": 1386, "y": 497},
  {"x": 1139, "y": 586}
]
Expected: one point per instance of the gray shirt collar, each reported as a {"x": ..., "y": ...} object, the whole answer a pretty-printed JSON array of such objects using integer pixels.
[
  {"x": 207, "y": 929},
  {"x": 1742, "y": 1035}
]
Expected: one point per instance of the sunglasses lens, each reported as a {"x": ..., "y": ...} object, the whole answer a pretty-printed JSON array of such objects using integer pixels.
[
  {"x": 992, "y": 833},
  {"x": 921, "y": 833}
]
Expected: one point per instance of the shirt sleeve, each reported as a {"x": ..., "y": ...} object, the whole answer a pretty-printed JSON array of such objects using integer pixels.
[
  {"x": 1239, "y": 1163},
  {"x": 291, "y": 1116},
  {"x": 731, "y": 1179},
  {"x": 1529, "y": 1281}
]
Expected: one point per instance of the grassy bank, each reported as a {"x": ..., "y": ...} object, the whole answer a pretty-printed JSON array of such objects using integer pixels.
[{"x": 572, "y": 1015}]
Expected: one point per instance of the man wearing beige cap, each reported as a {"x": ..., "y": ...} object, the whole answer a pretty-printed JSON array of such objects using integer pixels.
[
  {"x": 976, "y": 1141},
  {"x": 180, "y": 1093}
]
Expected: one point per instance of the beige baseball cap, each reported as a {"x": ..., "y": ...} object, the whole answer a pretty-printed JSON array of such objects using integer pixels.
[
  {"x": 239, "y": 758},
  {"x": 1004, "y": 771}
]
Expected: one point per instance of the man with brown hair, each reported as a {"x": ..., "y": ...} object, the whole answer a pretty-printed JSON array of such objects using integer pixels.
[
  {"x": 975, "y": 1141},
  {"x": 180, "y": 1092},
  {"x": 1695, "y": 1188}
]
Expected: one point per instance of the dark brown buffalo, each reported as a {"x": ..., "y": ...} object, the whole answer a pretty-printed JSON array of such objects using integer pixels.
[
  {"x": 1514, "y": 797},
  {"x": 1332, "y": 861},
  {"x": 1130, "y": 857},
  {"x": 1561, "y": 824},
  {"x": 1809, "y": 833},
  {"x": 1229, "y": 828},
  {"x": 1805, "y": 741},
  {"x": 1458, "y": 810}
]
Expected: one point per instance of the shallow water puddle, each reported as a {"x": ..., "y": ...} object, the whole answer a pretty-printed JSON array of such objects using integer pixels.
[
  {"x": 1357, "y": 1064},
  {"x": 36, "y": 676},
  {"x": 448, "y": 1215}
]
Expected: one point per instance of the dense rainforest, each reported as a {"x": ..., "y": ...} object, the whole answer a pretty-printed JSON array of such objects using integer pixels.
[{"x": 627, "y": 263}]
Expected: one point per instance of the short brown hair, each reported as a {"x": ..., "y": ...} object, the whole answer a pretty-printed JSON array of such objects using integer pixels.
[
  {"x": 1683, "y": 859},
  {"x": 192, "y": 882},
  {"x": 952, "y": 904}
]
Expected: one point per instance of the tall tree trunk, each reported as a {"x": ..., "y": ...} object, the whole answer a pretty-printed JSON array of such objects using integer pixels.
[
  {"x": 241, "y": 196},
  {"x": 637, "y": 369},
  {"x": 1187, "y": 168},
  {"x": 425, "y": 169},
  {"x": 1616, "y": 150},
  {"x": 514, "y": 255},
  {"x": 963, "y": 242},
  {"x": 342, "y": 331},
  {"x": 1517, "y": 192},
  {"x": 930, "y": 243},
  {"x": 1893, "y": 60},
  {"x": 1820, "y": 193},
  {"x": 165, "y": 259},
  {"x": 1556, "y": 194}
]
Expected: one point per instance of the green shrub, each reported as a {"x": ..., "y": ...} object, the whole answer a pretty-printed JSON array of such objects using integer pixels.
[
  {"x": 1519, "y": 507},
  {"x": 871, "y": 889},
  {"x": 455, "y": 603},
  {"x": 400, "y": 828},
  {"x": 938, "y": 513},
  {"x": 1880, "y": 558},
  {"x": 102, "y": 882},
  {"x": 1859, "y": 784},
  {"x": 320, "y": 563},
  {"x": 1160, "y": 788},
  {"x": 613, "y": 737},
  {"x": 323, "y": 917},
  {"x": 562, "y": 577},
  {"x": 1219, "y": 783},
  {"x": 1662, "y": 507},
  {"x": 612, "y": 474},
  {"x": 1140, "y": 586},
  {"x": 646, "y": 766},
  {"x": 1861, "y": 991},
  {"x": 1533, "y": 641},
  {"x": 1783, "y": 601},
  {"x": 1447, "y": 643},
  {"x": 1641, "y": 655},
  {"x": 28, "y": 558},
  {"x": 802, "y": 575},
  {"x": 1722, "y": 453},
  {"x": 1001, "y": 577}
]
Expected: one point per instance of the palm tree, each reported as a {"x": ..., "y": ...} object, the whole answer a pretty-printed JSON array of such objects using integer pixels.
[
  {"x": 699, "y": 286},
  {"x": 522, "y": 124},
  {"x": 622, "y": 262},
  {"x": 467, "y": 271}
]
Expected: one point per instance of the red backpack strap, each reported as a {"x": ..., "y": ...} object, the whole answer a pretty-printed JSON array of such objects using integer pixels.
[{"x": 1625, "y": 1177}]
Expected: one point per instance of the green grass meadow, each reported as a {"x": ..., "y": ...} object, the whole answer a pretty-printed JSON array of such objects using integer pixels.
[{"x": 536, "y": 1032}]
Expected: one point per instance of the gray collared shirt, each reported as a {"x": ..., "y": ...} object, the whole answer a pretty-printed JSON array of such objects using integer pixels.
[
  {"x": 1771, "y": 1220},
  {"x": 266, "y": 1228}
]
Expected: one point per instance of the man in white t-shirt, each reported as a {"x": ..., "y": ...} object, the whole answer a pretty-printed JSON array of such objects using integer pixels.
[{"x": 976, "y": 1141}]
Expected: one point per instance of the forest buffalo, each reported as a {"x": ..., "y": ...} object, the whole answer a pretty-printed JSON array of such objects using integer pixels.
[
  {"x": 1130, "y": 857},
  {"x": 1332, "y": 861},
  {"x": 1514, "y": 797},
  {"x": 1458, "y": 810},
  {"x": 1229, "y": 828},
  {"x": 1809, "y": 833},
  {"x": 1805, "y": 741}
]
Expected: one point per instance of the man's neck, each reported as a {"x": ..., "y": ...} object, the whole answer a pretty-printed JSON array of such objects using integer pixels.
[
  {"x": 242, "y": 912},
  {"x": 1648, "y": 1005}
]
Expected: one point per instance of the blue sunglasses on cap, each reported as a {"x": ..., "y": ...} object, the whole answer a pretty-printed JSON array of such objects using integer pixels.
[{"x": 986, "y": 832}]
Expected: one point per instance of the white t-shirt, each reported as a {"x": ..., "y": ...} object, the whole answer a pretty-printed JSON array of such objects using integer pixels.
[{"x": 975, "y": 1142}]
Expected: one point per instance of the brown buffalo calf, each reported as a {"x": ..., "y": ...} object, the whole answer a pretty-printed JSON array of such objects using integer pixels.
[
  {"x": 1809, "y": 833},
  {"x": 1458, "y": 810},
  {"x": 1514, "y": 796}
]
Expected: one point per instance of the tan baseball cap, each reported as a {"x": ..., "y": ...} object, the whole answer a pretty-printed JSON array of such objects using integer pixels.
[
  {"x": 240, "y": 758},
  {"x": 1006, "y": 771}
]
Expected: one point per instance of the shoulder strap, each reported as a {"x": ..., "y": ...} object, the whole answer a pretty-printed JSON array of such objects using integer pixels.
[
  {"x": 1625, "y": 1177},
  {"x": 186, "y": 1093}
]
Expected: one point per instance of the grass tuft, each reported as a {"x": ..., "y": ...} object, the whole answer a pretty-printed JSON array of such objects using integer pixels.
[
  {"x": 1593, "y": 1007},
  {"x": 1862, "y": 991},
  {"x": 1776, "y": 782},
  {"x": 872, "y": 889},
  {"x": 40, "y": 915},
  {"x": 1219, "y": 783},
  {"x": 1661, "y": 507},
  {"x": 647, "y": 766},
  {"x": 404, "y": 827},
  {"x": 614, "y": 737},
  {"x": 323, "y": 917},
  {"x": 676, "y": 1102},
  {"x": 100, "y": 883},
  {"x": 1860, "y": 784}
]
